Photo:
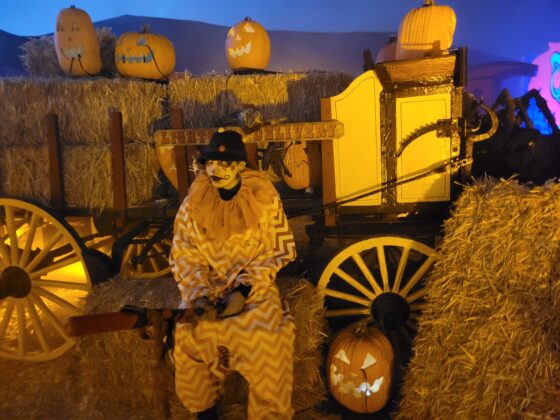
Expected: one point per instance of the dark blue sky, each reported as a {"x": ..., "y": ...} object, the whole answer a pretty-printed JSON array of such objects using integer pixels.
[{"x": 509, "y": 29}]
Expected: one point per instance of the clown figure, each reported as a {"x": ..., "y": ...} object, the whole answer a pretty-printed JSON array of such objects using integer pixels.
[{"x": 231, "y": 237}]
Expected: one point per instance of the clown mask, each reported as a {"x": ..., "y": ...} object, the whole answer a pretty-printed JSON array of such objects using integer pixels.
[{"x": 224, "y": 174}]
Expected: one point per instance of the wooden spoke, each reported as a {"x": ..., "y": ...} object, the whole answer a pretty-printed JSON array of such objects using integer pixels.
[
  {"x": 55, "y": 299},
  {"x": 367, "y": 273},
  {"x": 7, "y": 317},
  {"x": 44, "y": 252},
  {"x": 415, "y": 296},
  {"x": 347, "y": 312},
  {"x": 400, "y": 270},
  {"x": 354, "y": 283},
  {"x": 417, "y": 276},
  {"x": 347, "y": 297},
  {"x": 12, "y": 233},
  {"x": 64, "y": 262},
  {"x": 51, "y": 317},
  {"x": 29, "y": 240},
  {"x": 46, "y": 248},
  {"x": 338, "y": 286},
  {"x": 61, "y": 284},
  {"x": 20, "y": 309},
  {"x": 383, "y": 267},
  {"x": 37, "y": 326},
  {"x": 155, "y": 263}
]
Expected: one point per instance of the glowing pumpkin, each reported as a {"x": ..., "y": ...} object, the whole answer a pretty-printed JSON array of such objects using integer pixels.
[
  {"x": 425, "y": 29},
  {"x": 296, "y": 162},
  {"x": 247, "y": 46},
  {"x": 76, "y": 44},
  {"x": 359, "y": 368},
  {"x": 144, "y": 55}
]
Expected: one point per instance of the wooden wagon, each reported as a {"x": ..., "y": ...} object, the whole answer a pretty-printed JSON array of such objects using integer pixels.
[{"x": 385, "y": 162}]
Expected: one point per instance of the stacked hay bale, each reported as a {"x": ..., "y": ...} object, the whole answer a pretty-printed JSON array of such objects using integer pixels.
[
  {"x": 116, "y": 373},
  {"x": 83, "y": 106},
  {"x": 488, "y": 343}
]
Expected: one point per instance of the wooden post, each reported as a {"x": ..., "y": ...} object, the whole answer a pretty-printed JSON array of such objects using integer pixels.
[
  {"x": 182, "y": 157},
  {"x": 327, "y": 163},
  {"x": 56, "y": 178},
  {"x": 117, "y": 145}
]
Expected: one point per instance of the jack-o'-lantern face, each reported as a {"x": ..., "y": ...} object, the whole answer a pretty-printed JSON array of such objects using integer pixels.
[
  {"x": 247, "y": 46},
  {"x": 295, "y": 168},
  {"x": 360, "y": 370},
  {"x": 76, "y": 44},
  {"x": 145, "y": 55}
]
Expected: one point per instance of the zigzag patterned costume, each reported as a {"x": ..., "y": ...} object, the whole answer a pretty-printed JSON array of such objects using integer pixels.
[{"x": 219, "y": 245}]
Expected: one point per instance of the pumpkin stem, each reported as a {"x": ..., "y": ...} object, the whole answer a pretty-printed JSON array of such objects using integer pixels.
[
  {"x": 428, "y": 3},
  {"x": 145, "y": 28},
  {"x": 362, "y": 329},
  {"x": 247, "y": 19}
]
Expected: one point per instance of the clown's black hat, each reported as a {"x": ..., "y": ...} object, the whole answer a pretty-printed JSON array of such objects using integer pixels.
[{"x": 225, "y": 145}]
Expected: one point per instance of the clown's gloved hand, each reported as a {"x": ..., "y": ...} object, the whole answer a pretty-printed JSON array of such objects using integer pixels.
[{"x": 233, "y": 304}]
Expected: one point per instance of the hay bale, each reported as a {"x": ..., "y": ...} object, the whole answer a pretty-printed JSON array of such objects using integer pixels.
[
  {"x": 488, "y": 342},
  {"x": 87, "y": 174},
  {"x": 83, "y": 107},
  {"x": 39, "y": 55},
  {"x": 115, "y": 367},
  {"x": 292, "y": 97}
]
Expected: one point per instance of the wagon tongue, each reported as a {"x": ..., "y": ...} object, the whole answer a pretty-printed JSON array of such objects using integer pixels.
[
  {"x": 15, "y": 282},
  {"x": 391, "y": 310}
]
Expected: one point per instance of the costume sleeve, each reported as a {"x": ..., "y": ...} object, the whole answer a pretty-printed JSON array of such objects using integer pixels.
[
  {"x": 276, "y": 249},
  {"x": 188, "y": 264}
]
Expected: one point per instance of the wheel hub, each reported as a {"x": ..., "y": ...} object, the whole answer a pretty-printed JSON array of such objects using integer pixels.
[
  {"x": 391, "y": 309},
  {"x": 14, "y": 282}
]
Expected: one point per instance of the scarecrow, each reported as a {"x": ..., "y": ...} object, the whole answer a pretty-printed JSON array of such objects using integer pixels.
[{"x": 231, "y": 238}]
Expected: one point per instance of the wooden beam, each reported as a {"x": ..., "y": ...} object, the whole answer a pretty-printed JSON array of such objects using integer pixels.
[
  {"x": 56, "y": 178},
  {"x": 119, "y": 174}
]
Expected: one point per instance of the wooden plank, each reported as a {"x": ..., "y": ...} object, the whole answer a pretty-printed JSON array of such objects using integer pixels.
[
  {"x": 117, "y": 146},
  {"x": 182, "y": 157},
  {"x": 309, "y": 131},
  {"x": 56, "y": 179},
  {"x": 327, "y": 165}
]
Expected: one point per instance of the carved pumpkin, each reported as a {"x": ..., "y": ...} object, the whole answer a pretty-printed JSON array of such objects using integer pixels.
[
  {"x": 424, "y": 29},
  {"x": 76, "y": 44},
  {"x": 144, "y": 55},
  {"x": 359, "y": 368},
  {"x": 247, "y": 46},
  {"x": 296, "y": 161}
]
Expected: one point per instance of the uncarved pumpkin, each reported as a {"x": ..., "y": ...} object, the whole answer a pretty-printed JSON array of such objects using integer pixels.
[
  {"x": 247, "y": 46},
  {"x": 76, "y": 44},
  {"x": 425, "y": 29},
  {"x": 359, "y": 366},
  {"x": 144, "y": 55},
  {"x": 296, "y": 161}
]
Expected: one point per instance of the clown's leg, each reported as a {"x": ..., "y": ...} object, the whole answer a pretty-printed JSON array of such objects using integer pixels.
[
  {"x": 270, "y": 376},
  {"x": 197, "y": 388}
]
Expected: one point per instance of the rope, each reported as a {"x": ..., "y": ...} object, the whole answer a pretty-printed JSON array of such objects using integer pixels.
[{"x": 384, "y": 187}]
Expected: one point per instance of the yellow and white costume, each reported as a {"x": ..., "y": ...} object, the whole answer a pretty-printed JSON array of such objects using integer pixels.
[{"x": 217, "y": 246}]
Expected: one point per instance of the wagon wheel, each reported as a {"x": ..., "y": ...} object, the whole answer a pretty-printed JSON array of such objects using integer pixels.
[
  {"x": 146, "y": 258},
  {"x": 44, "y": 276},
  {"x": 379, "y": 278}
]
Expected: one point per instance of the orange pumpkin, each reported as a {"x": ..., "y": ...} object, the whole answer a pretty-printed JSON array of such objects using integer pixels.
[
  {"x": 425, "y": 29},
  {"x": 247, "y": 46},
  {"x": 359, "y": 366},
  {"x": 296, "y": 162},
  {"x": 144, "y": 55},
  {"x": 76, "y": 44}
]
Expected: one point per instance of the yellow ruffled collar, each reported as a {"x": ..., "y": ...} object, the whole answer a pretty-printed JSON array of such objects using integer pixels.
[{"x": 221, "y": 219}]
